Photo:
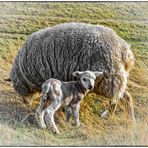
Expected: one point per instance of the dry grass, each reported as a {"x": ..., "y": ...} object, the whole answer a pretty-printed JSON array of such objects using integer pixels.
[{"x": 130, "y": 22}]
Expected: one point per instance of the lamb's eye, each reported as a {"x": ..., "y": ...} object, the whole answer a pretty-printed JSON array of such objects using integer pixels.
[{"x": 84, "y": 79}]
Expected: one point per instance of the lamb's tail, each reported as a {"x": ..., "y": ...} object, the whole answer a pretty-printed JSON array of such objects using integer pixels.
[
  {"x": 45, "y": 90},
  {"x": 51, "y": 87}
]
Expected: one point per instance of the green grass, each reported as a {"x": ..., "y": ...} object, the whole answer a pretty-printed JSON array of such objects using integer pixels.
[{"x": 129, "y": 19}]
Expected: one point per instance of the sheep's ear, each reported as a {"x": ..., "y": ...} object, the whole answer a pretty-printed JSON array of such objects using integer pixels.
[
  {"x": 98, "y": 73},
  {"x": 77, "y": 73}
]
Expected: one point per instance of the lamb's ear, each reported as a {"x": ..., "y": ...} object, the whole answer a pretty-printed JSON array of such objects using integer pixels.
[
  {"x": 77, "y": 73},
  {"x": 98, "y": 73}
]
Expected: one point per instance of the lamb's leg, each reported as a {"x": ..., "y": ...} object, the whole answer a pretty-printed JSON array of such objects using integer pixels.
[
  {"x": 49, "y": 115},
  {"x": 40, "y": 111},
  {"x": 76, "y": 110},
  {"x": 129, "y": 105},
  {"x": 68, "y": 112}
]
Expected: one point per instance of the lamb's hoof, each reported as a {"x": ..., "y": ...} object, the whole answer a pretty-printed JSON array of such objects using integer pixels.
[
  {"x": 41, "y": 123},
  {"x": 105, "y": 114},
  {"x": 56, "y": 132},
  {"x": 78, "y": 124}
]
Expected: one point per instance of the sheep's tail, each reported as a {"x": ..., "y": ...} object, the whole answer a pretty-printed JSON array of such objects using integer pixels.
[{"x": 128, "y": 58}]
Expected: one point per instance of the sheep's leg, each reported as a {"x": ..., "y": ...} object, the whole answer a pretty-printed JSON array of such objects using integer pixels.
[
  {"x": 129, "y": 105},
  {"x": 40, "y": 111},
  {"x": 49, "y": 115},
  {"x": 76, "y": 110},
  {"x": 114, "y": 99},
  {"x": 112, "y": 108},
  {"x": 68, "y": 113}
]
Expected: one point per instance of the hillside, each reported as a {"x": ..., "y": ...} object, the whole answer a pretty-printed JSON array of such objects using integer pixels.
[{"x": 19, "y": 19}]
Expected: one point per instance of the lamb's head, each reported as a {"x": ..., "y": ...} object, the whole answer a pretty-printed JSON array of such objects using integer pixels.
[{"x": 87, "y": 78}]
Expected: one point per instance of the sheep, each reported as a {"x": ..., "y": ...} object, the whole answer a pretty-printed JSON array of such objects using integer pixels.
[
  {"x": 58, "y": 51},
  {"x": 68, "y": 94}
]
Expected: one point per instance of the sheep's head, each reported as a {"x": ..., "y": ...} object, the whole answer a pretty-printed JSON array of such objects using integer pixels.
[{"x": 87, "y": 78}]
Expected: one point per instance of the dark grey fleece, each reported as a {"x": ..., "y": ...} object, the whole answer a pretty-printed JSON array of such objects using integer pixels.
[{"x": 58, "y": 51}]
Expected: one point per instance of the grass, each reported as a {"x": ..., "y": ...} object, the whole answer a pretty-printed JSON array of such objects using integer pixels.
[{"x": 19, "y": 19}]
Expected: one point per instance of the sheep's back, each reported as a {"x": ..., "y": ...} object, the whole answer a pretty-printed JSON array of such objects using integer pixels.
[{"x": 58, "y": 51}]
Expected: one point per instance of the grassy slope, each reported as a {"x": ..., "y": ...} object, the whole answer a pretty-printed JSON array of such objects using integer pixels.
[{"x": 128, "y": 19}]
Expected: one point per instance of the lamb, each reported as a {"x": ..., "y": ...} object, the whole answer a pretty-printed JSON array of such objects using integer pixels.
[
  {"x": 68, "y": 94},
  {"x": 58, "y": 51}
]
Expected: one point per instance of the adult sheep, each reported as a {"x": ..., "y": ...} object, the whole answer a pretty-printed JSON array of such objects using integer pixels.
[{"x": 58, "y": 51}]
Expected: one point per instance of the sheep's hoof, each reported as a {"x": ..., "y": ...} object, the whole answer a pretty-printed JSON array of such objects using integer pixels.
[{"x": 105, "y": 114}]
